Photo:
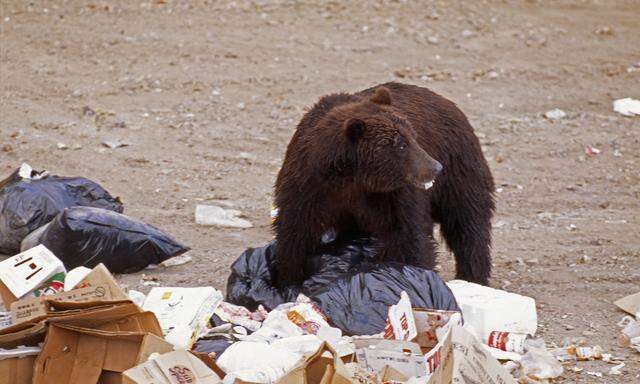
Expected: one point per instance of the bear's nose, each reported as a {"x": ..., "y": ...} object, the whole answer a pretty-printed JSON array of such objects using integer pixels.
[{"x": 436, "y": 168}]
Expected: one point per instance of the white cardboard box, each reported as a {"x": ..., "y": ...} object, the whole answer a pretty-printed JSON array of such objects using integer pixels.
[{"x": 28, "y": 270}]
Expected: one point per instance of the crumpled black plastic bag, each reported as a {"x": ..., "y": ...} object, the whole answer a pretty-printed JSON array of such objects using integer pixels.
[
  {"x": 27, "y": 204},
  {"x": 353, "y": 290},
  {"x": 85, "y": 236}
]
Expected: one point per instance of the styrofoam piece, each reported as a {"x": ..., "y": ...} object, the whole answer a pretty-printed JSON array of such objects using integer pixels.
[{"x": 488, "y": 309}]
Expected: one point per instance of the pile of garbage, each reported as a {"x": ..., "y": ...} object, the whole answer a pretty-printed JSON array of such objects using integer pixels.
[
  {"x": 65, "y": 319},
  {"x": 79, "y": 326}
]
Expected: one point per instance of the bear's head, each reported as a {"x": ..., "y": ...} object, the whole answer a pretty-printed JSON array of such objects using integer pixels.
[{"x": 380, "y": 152}]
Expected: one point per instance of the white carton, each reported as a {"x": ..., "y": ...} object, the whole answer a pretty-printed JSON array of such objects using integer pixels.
[
  {"x": 487, "y": 309},
  {"x": 28, "y": 270},
  {"x": 182, "y": 312}
]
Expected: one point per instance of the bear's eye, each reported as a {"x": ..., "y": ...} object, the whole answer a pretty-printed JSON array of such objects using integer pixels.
[{"x": 400, "y": 143}]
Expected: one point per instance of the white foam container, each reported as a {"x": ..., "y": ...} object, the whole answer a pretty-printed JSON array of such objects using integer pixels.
[{"x": 487, "y": 309}]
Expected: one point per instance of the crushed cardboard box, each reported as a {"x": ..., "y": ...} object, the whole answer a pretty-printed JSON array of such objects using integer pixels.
[
  {"x": 16, "y": 365},
  {"x": 77, "y": 355}
]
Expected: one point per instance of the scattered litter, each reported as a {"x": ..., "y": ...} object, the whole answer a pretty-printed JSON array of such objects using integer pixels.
[
  {"x": 30, "y": 199},
  {"x": 555, "y": 114},
  {"x": 627, "y": 106},
  {"x": 239, "y": 315},
  {"x": 537, "y": 364},
  {"x": 85, "y": 236},
  {"x": 634, "y": 67},
  {"x": 604, "y": 31},
  {"x": 593, "y": 373},
  {"x": 214, "y": 215},
  {"x": 177, "y": 260},
  {"x": 74, "y": 277},
  {"x": 137, "y": 297},
  {"x": 578, "y": 353},
  {"x": 113, "y": 144},
  {"x": 182, "y": 312},
  {"x": 591, "y": 151},
  {"x": 616, "y": 369}
]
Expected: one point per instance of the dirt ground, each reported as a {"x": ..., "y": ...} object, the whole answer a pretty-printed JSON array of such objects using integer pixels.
[{"x": 207, "y": 96}]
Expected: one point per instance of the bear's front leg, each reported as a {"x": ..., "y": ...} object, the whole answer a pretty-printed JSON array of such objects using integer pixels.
[
  {"x": 402, "y": 231},
  {"x": 298, "y": 236}
]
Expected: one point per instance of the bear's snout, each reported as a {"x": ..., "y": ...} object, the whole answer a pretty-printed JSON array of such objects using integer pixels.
[{"x": 424, "y": 168}]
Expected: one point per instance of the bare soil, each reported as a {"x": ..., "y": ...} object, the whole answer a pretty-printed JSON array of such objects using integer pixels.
[{"x": 207, "y": 95}]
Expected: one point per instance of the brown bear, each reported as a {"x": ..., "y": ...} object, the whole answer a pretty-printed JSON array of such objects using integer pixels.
[{"x": 388, "y": 162}]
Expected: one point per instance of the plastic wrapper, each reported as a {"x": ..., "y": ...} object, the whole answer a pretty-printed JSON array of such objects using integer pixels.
[
  {"x": 29, "y": 200},
  {"x": 351, "y": 289},
  {"x": 84, "y": 236}
]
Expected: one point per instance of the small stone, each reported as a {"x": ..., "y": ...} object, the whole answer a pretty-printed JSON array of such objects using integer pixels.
[
  {"x": 62, "y": 146},
  {"x": 76, "y": 93},
  {"x": 432, "y": 40},
  {"x": 241, "y": 106},
  {"x": 555, "y": 114},
  {"x": 532, "y": 261},
  {"x": 7, "y": 148},
  {"x": 467, "y": 33},
  {"x": 569, "y": 327},
  {"x": 585, "y": 259}
]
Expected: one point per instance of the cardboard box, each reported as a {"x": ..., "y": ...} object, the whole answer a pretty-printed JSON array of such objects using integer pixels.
[
  {"x": 26, "y": 272},
  {"x": 99, "y": 285},
  {"x": 404, "y": 356},
  {"x": 77, "y": 355},
  {"x": 28, "y": 334},
  {"x": 16, "y": 366},
  {"x": 169, "y": 368},
  {"x": 465, "y": 360},
  {"x": 322, "y": 367},
  {"x": 113, "y": 316}
]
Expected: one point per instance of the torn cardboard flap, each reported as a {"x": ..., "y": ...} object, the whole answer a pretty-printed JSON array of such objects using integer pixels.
[
  {"x": 464, "y": 360},
  {"x": 629, "y": 304},
  {"x": 108, "y": 316},
  {"x": 99, "y": 285},
  {"x": 169, "y": 368},
  {"x": 76, "y": 355},
  {"x": 322, "y": 367}
]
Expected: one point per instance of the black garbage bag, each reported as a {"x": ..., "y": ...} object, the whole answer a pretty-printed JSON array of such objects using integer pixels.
[
  {"x": 29, "y": 200},
  {"x": 353, "y": 290},
  {"x": 85, "y": 236}
]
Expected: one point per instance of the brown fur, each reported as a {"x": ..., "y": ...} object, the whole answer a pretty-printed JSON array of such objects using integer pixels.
[{"x": 358, "y": 163}]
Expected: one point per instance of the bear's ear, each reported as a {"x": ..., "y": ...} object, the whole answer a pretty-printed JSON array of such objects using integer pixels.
[
  {"x": 354, "y": 128},
  {"x": 381, "y": 96}
]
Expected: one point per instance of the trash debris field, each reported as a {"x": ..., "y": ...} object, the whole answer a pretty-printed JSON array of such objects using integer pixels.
[{"x": 195, "y": 106}]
